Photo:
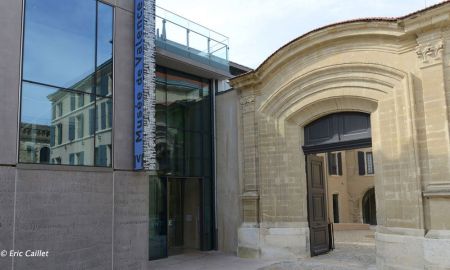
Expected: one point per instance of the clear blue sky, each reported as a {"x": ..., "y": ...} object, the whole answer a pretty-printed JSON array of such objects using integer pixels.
[{"x": 257, "y": 28}]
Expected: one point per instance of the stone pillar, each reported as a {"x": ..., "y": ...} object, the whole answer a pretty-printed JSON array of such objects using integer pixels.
[
  {"x": 248, "y": 234},
  {"x": 433, "y": 52}
]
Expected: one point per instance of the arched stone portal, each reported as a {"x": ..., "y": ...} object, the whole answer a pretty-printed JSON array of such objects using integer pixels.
[{"x": 396, "y": 71}]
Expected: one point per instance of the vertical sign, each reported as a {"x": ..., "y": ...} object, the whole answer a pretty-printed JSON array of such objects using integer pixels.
[{"x": 144, "y": 85}]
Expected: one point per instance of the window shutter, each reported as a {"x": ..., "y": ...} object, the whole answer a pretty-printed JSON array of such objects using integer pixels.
[
  {"x": 103, "y": 115},
  {"x": 102, "y": 155},
  {"x": 71, "y": 128},
  {"x": 52, "y": 136},
  {"x": 110, "y": 115},
  {"x": 330, "y": 162},
  {"x": 361, "y": 163},
  {"x": 104, "y": 85},
  {"x": 339, "y": 158}
]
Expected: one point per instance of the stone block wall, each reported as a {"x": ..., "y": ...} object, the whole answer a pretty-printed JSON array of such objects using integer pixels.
[{"x": 395, "y": 70}]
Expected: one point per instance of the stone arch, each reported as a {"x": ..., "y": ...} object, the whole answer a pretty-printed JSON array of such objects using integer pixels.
[
  {"x": 393, "y": 69},
  {"x": 364, "y": 81}
]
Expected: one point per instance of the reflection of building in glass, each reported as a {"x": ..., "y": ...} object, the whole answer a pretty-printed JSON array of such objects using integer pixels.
[
  {"x": 82, "y": 122},
  {"x": 35, "y": 146}
]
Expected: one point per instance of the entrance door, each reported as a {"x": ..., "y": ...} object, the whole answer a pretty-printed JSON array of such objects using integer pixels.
[
  {"x": 157, "y": 218},
  {"x": 184, "y": 214},
  {"x": 317, "y": 206}
]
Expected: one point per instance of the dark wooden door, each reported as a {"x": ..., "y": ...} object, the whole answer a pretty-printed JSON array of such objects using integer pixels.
[{"x": 317, "y": 206}]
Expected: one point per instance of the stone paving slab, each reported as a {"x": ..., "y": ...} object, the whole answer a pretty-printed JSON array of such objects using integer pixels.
[
  {"x": 208, "y": 261},
  {"x": 355, "y": 250}
]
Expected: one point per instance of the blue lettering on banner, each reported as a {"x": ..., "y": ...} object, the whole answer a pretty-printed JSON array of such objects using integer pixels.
[{"x": 139, "y": 84}]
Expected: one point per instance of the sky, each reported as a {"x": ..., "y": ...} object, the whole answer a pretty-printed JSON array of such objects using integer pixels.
[{"x": 257, "y": 28}]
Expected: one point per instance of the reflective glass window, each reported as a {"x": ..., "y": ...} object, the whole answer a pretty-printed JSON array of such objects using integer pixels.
[
  {"x": 59, "y": 41},
  {"x": 183, "y": 115},
  {"x": 66, "y": 106}
]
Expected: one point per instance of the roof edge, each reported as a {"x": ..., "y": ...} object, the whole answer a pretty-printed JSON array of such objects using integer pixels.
[{"x": 370, "y": 19}]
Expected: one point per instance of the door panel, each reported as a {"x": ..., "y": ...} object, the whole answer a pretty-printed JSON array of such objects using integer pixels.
[
  {"x": 317, "y": 206},
  {"x": 157, "y": 218}
]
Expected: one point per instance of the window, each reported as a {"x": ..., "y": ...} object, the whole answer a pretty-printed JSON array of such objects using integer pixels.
[
  {"x": 80, "y": 158},
  {"x": 335, "y": 163},
  {"x": 60, "y": 109},
  {"x": 67, "y": 75},
  {"x": 365, "y": 163},
  {"x": 72, "y": 102},
  {"x": 80, "y": 100}
]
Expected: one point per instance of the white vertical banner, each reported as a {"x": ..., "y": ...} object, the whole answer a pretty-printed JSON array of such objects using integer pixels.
[{"x": 144, "y": 85}]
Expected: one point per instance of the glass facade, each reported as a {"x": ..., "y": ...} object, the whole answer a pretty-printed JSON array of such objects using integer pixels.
[
  {"x": 66, "y": 105},
  {"x": 184, "y": 151}
]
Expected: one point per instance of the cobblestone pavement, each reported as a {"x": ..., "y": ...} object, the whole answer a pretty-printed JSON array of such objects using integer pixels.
[{"x": 355, "y": 250}]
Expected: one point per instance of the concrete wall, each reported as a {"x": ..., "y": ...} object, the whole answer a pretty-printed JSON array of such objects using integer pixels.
[
  {"x": 10, "y": 51},
  {"x": 227, "y": 160},
  {"x": 87, "y": 218}
]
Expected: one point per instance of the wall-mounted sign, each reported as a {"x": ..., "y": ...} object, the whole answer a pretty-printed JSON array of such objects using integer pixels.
[{"x": 144, "y": 85}]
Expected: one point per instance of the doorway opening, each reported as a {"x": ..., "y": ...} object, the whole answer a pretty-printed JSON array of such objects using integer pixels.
[
  {"x": 184, "y": 215},
  {"x": 176, "y": 216},
  {"x": 339, "y": 155},
  {"x": 369, "y": 207}
]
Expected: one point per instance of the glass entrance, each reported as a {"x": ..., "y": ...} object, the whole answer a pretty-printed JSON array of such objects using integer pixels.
[
  {"x": 184, "y": 215},
  {"x": 157, "y": 218}
]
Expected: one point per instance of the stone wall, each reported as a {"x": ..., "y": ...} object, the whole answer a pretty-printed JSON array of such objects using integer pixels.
[{"x": 395, "y": 70}]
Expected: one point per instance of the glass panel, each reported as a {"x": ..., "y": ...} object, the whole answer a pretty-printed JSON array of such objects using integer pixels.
[
  {"x": 175, "y": 150},
  {"x": 157, "y": 218},
  {"x": 46, "y": 137},
  {"x": 161, "y": 149},
  {"x": 104, "y": 50},
  {"x": 369, "y": 158},
  {"x": 207, "y": 154},
  {"x": 207, "y": 203},
  {"x": 184, "y": 107},
  {"x": 160, "y": 114},
  {"x": 103, "y": 135},
  {"x": 59, "y": 42},
  {"x": 105, "y": 34}
]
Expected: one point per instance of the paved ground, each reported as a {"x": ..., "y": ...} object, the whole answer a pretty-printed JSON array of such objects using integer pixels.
[
  {"x": 355, "y": 250},
  {"x": 211, "y": 260}
]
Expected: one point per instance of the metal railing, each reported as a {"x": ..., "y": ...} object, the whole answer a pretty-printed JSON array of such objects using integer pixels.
[{"x": 178, "y": 33}]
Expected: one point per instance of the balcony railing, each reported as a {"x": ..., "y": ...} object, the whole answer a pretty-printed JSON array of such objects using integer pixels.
[{"x": 187, "y": 38}]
